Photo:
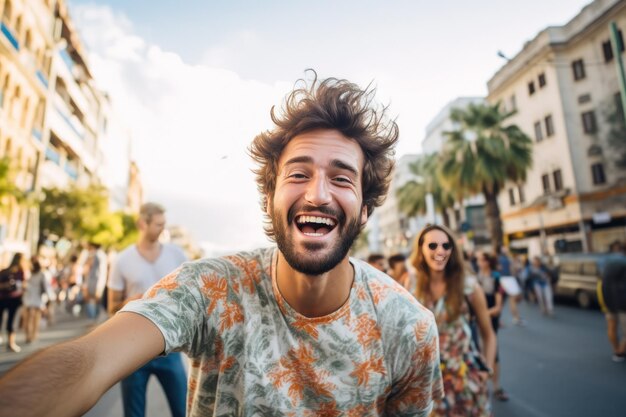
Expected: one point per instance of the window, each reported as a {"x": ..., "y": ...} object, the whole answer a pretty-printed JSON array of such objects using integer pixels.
[
  {"x": 538, "y": 132},
  {"x": 597, "y": 172},
  {"x": 549, "y": 125},
  {"x": 513, "y": 103},
  {"x": 584, "y": 98},
  {"x": 578, "y": 67},
  {"x": 531, "y": 88},
  {"x": 520, "y": 191},
  {"x": 545, "y": 181},
  {"x": 558, "y": 180},
  {"x": 542, "y": 80},
  {"x": 607, "y": 48},
  {"x": 589, "y": 122},
  {"x": 512, "y": 196},
  {"x": 619, "y": 109}
]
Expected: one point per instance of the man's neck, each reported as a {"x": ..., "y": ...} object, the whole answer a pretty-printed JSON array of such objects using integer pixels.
[
  {"x": 149, "y": 249},
  {"x": 315, "y": 295}
]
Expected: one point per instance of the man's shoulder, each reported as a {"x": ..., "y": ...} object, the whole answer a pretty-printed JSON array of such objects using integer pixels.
[
  {"x": 392, "y": 300},
  {"x": 130, "y": 252},
  {"x": 246, "y": 262}
]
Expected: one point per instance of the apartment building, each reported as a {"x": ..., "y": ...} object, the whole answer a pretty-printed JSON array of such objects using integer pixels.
[
  {"x": 564, "y": 86},
  {"x": 52, "y": 116}
]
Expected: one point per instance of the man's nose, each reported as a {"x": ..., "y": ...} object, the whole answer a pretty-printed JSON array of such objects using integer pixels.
[{"x": 318, "y": 192}]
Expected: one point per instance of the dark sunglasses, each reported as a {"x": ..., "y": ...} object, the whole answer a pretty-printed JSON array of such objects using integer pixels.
[{"x": 445, "y": 246}]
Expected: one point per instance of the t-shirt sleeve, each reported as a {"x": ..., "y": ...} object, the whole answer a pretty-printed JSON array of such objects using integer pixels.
[
  {"x": 419, "y": 382},
  {"x": 176, "y": 306}
]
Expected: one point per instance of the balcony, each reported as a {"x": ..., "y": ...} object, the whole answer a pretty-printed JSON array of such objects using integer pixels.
[
  {"x": 37, "y": 134},
  {"x": 71, "y": 124},
  {"x": 9, "y": 35},
  {"x": 41, "y": 77},
  {"x": 52, "y": 155},
  {"x": 67, "y": 59},
  {"x": 71, "y": 171}
]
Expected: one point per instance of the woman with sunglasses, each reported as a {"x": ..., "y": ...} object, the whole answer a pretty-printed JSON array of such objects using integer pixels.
[{"x": 455, "y": 301}]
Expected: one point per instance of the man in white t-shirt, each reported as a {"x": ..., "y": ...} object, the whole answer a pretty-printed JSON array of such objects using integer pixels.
[
  {"x": 135, "y": 270},
  {"x": 298, "y": 329}
]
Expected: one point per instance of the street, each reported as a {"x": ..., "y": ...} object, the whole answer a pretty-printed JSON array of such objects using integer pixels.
[
  {"x": 559, "y": 366},
  {"x": 553, "y": 367}
]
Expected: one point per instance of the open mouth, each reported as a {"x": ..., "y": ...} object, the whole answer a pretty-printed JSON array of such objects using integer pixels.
[{"x": 315, "y": 226}]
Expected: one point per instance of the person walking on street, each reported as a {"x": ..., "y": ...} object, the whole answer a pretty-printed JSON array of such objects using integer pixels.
[
  {"x": 612, "y": 297},
  {"x": 34, "y": 301},
  {"x": 489, "y": 281},
  {"x": 455, "y": 300},
  {"x": 542, "y": 284},
  {"x": 11, "y": 290},
  {"x": 135, "y": 270},
  {"x": 300, "y": 328},
  {"x": 507, "y": 268},
  {"x": 95, "y": 273},
  {"x": 398, "y": 270},
  {"x": 377, "y": 260}
]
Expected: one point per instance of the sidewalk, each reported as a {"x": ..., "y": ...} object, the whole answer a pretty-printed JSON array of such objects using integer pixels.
[{"x": 65, "y": 327}]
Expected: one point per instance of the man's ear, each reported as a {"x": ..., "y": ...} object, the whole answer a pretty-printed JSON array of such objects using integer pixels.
[{"x": 363, "y": 215}]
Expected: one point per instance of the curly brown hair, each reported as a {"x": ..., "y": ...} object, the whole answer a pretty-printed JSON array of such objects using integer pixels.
[
  {"x": 454, "y": 272},
  {"x": 329, "y": 104}
]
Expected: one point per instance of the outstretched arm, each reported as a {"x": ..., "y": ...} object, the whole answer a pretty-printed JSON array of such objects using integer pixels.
[{"x": 69, "y": 378}]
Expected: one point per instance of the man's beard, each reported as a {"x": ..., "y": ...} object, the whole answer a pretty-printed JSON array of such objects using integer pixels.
[{"x": 314, "y": 264}]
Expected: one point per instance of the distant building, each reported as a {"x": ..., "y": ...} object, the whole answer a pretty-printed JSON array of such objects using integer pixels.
[
  {"x": 564, "y": 87},
  {"x": 391, "y": 231}
]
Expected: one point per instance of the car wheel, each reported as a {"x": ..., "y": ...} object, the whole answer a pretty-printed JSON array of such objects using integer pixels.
[{"x": 583, "y": 298}]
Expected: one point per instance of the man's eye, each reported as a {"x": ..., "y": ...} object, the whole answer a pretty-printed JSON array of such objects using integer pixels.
[
  {"x": 343, "y": 179},
  {"x": 297, "y": 176}
]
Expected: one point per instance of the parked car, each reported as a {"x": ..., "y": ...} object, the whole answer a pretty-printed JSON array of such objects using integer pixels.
[{"x": 578, "y": 275}]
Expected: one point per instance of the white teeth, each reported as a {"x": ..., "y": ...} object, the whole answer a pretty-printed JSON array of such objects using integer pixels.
[
  {"x": 316, "y": 219},
  {"x": 313, "y": 234}
]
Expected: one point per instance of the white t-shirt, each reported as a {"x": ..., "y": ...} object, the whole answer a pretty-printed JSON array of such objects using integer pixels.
[{"x": 133, "y": 274}]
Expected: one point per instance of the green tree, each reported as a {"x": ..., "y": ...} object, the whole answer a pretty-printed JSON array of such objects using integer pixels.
[
  {"x": 412, "y": 195},
  {"x": 80, "y": 214},
  {"x": 482, "y": 154},
  {"x": 7, "y": 183}
]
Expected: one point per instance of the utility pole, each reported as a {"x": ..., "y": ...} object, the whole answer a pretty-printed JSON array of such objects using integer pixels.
[{"x": 619, "y": 64}]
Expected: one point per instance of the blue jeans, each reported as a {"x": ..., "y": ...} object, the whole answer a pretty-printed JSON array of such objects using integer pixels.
[{"x": 171, "y": 374}]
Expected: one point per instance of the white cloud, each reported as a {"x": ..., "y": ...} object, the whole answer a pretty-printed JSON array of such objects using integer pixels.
[{"x": 191, "y": 126}]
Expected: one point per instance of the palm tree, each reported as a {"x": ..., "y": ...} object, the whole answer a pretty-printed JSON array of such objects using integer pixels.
[
  {"x": 482, "y": 154},
  {"x": 412, "y": 195}
]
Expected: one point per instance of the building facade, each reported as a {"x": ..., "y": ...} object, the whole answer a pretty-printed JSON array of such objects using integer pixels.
[
  {"x": 564, "y": 86},
  {"x": 52, "y": 115}
]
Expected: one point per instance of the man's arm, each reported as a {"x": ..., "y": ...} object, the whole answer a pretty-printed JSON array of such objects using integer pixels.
[{"x": 69, "y": 378}]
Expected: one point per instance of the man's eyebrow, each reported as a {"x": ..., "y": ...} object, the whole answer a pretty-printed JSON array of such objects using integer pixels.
[
  {"x": 299, "y": 160},
  {"x": 336, "y": 163}
]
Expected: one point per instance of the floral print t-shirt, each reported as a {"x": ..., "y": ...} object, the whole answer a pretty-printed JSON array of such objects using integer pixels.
[{"x": 253, "y": 355}]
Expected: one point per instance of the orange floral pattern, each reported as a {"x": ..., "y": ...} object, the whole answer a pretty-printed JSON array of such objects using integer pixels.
[{"x": 252, "y": 354}]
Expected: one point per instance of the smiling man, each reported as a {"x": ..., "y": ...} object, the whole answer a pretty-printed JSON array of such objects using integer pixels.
[{"x": 298, "y": 329}]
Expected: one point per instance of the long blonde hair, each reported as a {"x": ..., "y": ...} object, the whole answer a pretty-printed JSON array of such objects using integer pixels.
[{"x": 454, "y": 272}]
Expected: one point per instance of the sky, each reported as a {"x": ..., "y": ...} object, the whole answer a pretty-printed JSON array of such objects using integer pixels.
[{"x": 194, "y": 81}]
